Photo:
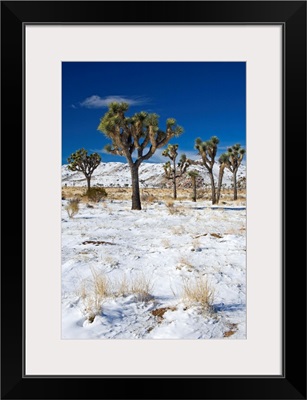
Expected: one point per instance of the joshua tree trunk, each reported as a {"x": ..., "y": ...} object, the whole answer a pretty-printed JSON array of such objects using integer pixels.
[
  {"x": 136, "y": 200},
  {"x": 221, "y": 174},
  {"x": 194, "y": 188},
  {"x": 235, "y": 194},
  {"x": 212, "y": 187},
  {"x": 174, "y": 180},
  {"x": 88, "y": 179}
]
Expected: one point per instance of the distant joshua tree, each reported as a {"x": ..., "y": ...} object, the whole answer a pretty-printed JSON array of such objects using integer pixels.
[
  {"x": 174, "y": 171},
  {"x": 139, "y": 133},
  {"x": 235, "y": 157},
  {"x": 193, "y": 174},
  {"x": 82, "y": 162},
  {"x": 207, "y": 150},
  {"x": 223, "y": 161}
]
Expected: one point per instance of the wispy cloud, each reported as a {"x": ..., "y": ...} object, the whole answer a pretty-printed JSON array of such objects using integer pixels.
[{"x": 96, "y": 101}]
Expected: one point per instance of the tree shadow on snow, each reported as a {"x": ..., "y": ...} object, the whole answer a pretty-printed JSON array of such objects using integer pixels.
[{"x": 228, "y": 307}]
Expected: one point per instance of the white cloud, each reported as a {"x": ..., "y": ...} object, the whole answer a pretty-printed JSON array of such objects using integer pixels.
[{"x": 96, "y": 101}]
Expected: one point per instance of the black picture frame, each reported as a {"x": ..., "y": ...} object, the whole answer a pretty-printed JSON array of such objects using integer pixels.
[{"x": 292, "y": 383}]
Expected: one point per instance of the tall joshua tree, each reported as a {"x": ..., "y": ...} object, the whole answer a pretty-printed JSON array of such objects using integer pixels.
[
  {"x": 193, "y": 174},
  {"x": 223, "y": 161},
  {"x": 85, "y": 163},
  {"x": 174, "y": 171},
  {"x": 235, "y": 157},
  {"x": 139, "y": 135},
  {"x": 207, "y": 150}
]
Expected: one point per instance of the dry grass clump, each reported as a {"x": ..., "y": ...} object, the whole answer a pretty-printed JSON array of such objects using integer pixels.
[
  {"x": 198, "y": 291},
  {"x": 72, "y": 207},
  {"x": 196, "y": 243},
  {"x": 178, "y": 230},
  {"x": 148, "y": 198},
  {"x": 204, "y": 194},
  {"x": 172, "y": 209},
  {"x": 93, "y": 292},
  {"x": 170, "y": 206},
  {"x": 165, "y": 243},
  {"x": 139, "y": 285},
  {"x": 184, "y": 262}
]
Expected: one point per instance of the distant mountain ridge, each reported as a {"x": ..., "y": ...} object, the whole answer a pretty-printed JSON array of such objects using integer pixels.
[{"x": 151, "y": 175}]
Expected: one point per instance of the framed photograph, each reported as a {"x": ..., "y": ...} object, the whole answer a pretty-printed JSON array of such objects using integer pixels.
[{"x": 161, "y": 183}]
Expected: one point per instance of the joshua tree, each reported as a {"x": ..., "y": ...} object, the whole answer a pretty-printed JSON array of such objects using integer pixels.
[
  {"x": 235, "y": 156},
  {"x": 139, "y": 133},
  {"x": 193, "y": 174},
  {"x": 81, "y": 161},
  {"x": 223, "y": 161},
  {"x": 207, "y": 150},
  {"x": 174, "y": 171}
]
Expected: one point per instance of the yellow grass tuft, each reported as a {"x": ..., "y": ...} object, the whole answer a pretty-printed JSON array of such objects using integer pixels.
[{"x": 197, "y": 291}]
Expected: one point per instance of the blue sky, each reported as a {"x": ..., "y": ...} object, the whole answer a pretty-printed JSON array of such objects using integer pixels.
[{"x": 206, "y": 98}]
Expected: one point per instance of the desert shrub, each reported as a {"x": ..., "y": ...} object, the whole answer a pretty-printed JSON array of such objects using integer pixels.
[
  {"x": 198, "y": 291},
  {"x": 72, "y": 207},
  {"x": 96, "y": 194}
]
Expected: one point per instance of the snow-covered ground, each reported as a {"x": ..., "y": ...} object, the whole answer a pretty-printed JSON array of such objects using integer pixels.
[{"x": 164, "y": 248}]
